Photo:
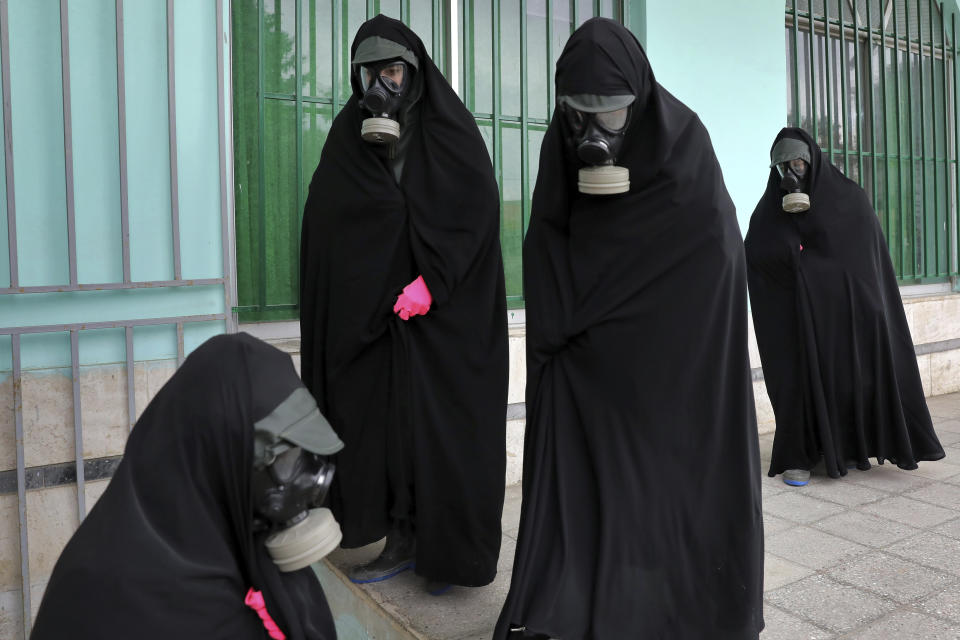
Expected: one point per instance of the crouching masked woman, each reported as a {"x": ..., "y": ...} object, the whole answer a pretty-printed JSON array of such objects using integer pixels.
[
  {"x": 209, "y": 525},
  {"x": 641, "y": 484},
  {"x": 403, "y": 317}
]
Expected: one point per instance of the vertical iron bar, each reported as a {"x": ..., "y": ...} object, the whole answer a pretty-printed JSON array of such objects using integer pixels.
[
  {"x": 224, "y": 194},
  {"x": 923, "y": 155},
  {"x": 469, "y": 36},
  {"x": 813, "y": 77},
  {"x": 180, "y": 355},
  {"x": 172, "y": 115},
  {"x": 298, "y": 107},
  {"x": 550, "y": 89},
  {"x": 828, "y": 72},
  {"x": 77, "y": 422},
  {"x": 896, "y": 84},
  {"x": 796, "y": 66},
  {"x": 131, "y": 379},
  {"x": 524, "y": 120},
  {"x": 933, "y": 137},
  {"x": 956, "y": 149},
  {"x": 844, "y": 83},
  {"x": 886, "y": 141},
  {"x": 335, "y": 62},
  {"x": 8, "y": 144},
  {"x": 574, "y": 15},
  {"x": 122, "y": 129},
  {"x": 261, "y": 159},
  {"x": 946, "y": 147},
  {"x": 68, "y": 141},
  {"x": 874, "y": 147},
  {"x": 857, "y": 82},
  {"x": 21, "y": 467},
  {"x": 910, "y": 157}
]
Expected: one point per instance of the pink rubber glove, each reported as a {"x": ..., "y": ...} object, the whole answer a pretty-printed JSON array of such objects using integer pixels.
[
  {"x": 255, "y": 601},
  {"x": 414, "y": 301}
]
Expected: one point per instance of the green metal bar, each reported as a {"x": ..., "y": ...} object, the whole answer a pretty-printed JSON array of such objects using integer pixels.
[
  {"x": 469, "y": 36},
  {"x": 844, "y": 82},
  {"x": 946, "y": 150},
  {"x": 437, "y": 32},
  {"x": 813, "y": 80},
  {"x": 262, "y": 285},
  {"x": 574, "y": 15},
  {"x": 896, "y": 83},
  {"x": 955, "y": 254},
  {"x": 886, "y": 140},
  {"x": 497, "y": 139},
  {"x": 922, "y": 248},
  {"x": 828, "y": 71},
  {"x": 524, "y": 107},
  {"x": 405, "y": 12},
  {"x": 371, "y": 9},
  {"x": 796, "y": 67},
  {"x": 298, "y": 47},
  {"x": 913, "y": 180},
  {"x": 873, "y": 115},
  {"x": 550, "y": 90},
  {"x": 335, "y": 63},
  {"x": 933, "y": 136},
  {"x": 857, "y": 88}
]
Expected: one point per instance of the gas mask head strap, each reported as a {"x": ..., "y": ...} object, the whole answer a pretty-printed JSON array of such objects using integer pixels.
[
  {"x": 375, "y": 49},
  {"x": 788, "y": 149}
]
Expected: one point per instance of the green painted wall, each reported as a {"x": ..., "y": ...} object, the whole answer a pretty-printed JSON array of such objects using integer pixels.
[
  {"x": 727, "y": 62},
  {"x": 40, "y": 161}
]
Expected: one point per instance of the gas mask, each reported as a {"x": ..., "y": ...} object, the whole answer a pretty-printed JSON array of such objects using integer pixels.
[
  {"x": 287, "y": 495},
  {"x": 597, "y": 126},
  {"x": 384, "y": 86},
  {"x": 792, "y": 159},
  {"x": 292, "y": 473}
]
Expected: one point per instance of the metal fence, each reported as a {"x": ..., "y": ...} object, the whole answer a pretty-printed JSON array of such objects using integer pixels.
[
  {"x": 127, "y": 283},
  {"x": 875, "y": 82}
]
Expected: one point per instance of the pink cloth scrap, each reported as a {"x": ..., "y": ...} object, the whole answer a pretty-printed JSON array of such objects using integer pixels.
[{"x": 255, "y": 601}]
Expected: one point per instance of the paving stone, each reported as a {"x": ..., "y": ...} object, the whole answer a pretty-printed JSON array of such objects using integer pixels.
[
  {"x": 778, "y": 572},
  {"x": 511, "y": 507},
  {"x": 799, "y": 508},
  {"x": 771, "y": 486},
  {"x": 888, "y": 478},
  {"x": 773, "y": 525},
  {"x": 948, "y": 437},
  {"x": 945, "y": 604},
  {"x": 829, "y": 604},
  {"x": 947, "y": 424},
  {"x": 950, "y": 529},
  {"x": 944, "y": 495},
  {"x": 931, "y": 550},
  {"x": 812, "y": 548},
  {"x": 890, "y": 577},
  {"x": 781, "y": 625},
  {"x": 937, "y": 470},
  {"x": 909, "y": 512},
  {"x": 908, "y": 624},
  {"x": 865, "y": 528},
  {"x": 846, "y": 493}
]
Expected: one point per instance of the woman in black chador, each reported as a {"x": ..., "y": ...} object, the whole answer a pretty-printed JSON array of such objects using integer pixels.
[
  {"x": 403, "y": 317},
  {"x": 838, "y": 360},
  {"x": 641, "y": 481},
  {"x": 209, "y": 525}
]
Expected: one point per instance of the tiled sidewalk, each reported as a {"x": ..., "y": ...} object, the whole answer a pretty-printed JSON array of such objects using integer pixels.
[{"x": 874, "y": 555}]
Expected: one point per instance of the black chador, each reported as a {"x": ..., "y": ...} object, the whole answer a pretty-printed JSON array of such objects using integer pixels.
[
  {"x": 641, "y": 482},
  {"x": 403, "y": 316},
  {"x": 171, "y": 549},
  {"x": 838, "y": 360}
]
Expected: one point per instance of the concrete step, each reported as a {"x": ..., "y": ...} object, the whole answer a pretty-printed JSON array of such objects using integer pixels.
[{"x": 401, "y": 609}]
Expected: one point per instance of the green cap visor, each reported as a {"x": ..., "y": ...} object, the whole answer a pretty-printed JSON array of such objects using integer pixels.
[
  {"x": 590, "y": 103},
  {"x": 375, "y": 48},
  {"x": 788, "y": 149},
  {"x": 296, "y": 422}
]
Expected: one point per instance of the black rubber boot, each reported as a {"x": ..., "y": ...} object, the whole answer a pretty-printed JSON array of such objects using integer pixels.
[{"x": 397, "y": 556}]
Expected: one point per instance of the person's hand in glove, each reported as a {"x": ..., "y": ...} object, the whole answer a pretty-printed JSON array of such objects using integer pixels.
[{"x": 414, "y": 301}]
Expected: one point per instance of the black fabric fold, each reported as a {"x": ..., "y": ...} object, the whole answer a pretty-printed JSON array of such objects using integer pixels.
[
  {"x": 838, "y": 359},
  {"x": 641, "y": 509},
  {"x": 168, "y": 551},
  {"x": 434, "y": 386}
]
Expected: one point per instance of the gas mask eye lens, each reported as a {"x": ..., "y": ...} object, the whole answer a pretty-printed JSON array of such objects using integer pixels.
[
  {"x": 798, "y": 166},
  {"x": 576, "y": 118},
  {"x": 394, "y": 75},
  {"x": 285, "y": 464},
  {"x": 613, "y": 120}
]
